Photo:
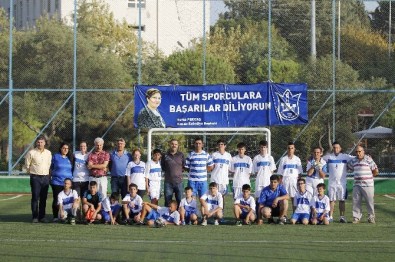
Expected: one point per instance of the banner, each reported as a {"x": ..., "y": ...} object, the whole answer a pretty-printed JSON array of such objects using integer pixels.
[{"x": 252, "y": 105}]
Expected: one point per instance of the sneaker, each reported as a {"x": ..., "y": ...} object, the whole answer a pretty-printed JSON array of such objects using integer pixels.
[
  {"x": 371, "y": 220},
  {"x": 140, "y": 223},
  {"x": 72, "y": 221},
  {"x": 342, "y": 220},
  {"x": 183, "y": 223},
  {"x": 159, "y": 223},
  {"x": 331, "y": 219},
  {"x": 204, "y": 223},
  {"x": 216, "y": 222},
  {"x": 43, "y": 220},
  {"x": 282, "y": 220},
  {"x": 355, "y": 220},
  {"x": 126, "y": 222},
  {"x": 238, "y": 223},
  {"x": 35, "y": 220}
]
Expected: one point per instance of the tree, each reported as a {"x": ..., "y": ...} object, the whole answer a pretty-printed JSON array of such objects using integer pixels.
[
  {"x": 187, "y": 65},
  {"x": 380, "y": 17}
]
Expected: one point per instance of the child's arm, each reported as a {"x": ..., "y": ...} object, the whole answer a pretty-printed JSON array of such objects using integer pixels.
[{"x": 147, "y": 184}]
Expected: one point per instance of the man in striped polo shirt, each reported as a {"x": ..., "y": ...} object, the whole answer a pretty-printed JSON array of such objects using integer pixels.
[
  {"x": 364, "y": 169},
  {"x": 198, "y": 163}
]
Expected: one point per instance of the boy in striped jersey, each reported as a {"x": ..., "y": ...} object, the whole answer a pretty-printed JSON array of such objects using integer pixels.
[
  {"x": 198, "y": 163},
  {"x": 153, "y": 176}
]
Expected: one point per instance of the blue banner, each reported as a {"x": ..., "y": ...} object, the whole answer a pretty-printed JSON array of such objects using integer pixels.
[{"x": 252, "y": 105}]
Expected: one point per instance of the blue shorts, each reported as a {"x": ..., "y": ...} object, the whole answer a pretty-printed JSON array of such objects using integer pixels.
[
  {"x": 300, "y": 216},
  {"x": 318, "y": 218},
  {"x": 188, "y": 216},
  {"x": 153, "y": 215},
  {"x": 199, "y": 187},
  {"x": 106, "y": 215}
]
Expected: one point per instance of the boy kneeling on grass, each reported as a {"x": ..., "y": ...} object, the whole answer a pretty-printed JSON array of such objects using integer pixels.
[
  {"x": 160, "y": 216},
  {"x": 68, "y": 202},
  {"x": 303, "y": 201},
  {"x": 132, "y": 205},
  {"x": 111, "y": 208},
  {"x": 188, "y": 208}
]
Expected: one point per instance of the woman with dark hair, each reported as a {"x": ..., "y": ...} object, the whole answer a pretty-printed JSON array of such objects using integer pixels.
[
  {"x": 149, "y": 116},
  {"x": 61, "y": 168}
]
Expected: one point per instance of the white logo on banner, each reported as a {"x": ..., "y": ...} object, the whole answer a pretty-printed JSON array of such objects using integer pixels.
[{"x": 288, "y": 105}]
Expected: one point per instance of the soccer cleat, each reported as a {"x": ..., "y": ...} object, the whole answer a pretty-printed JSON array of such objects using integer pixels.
[
  {"x": 371, "y": 220},
  {"x": 140, "y": 223},
  {"x": 216, "y": 222},
  {"x": 35, "y": 220},
  {"x": 355, "y": 220},
  {"x": 183, "y": 223},
  {"x": 72, "y": 221},
  {"x": 330, "y": 219},
  {"x": 204, "y": 223},
  {"x": 342, "y": 219},
  {"x": 43, "y": 220},
  {"x": 282, "y": 220},
  {"x": 238, "y": 223},
  {"x": 126, "y": 222},
  {"x": 55, "y": 220}
]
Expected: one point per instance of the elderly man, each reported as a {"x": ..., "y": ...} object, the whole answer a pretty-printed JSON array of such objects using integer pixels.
[
  {"x": 97, "y": 164},
  {"x": 364, "y": 169},
  {"x": 119, "y": 160},
  {"x": 38, "y": 162}
]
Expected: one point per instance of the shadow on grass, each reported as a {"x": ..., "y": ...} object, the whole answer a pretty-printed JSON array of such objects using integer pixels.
[{"x": 27, "y": 218}]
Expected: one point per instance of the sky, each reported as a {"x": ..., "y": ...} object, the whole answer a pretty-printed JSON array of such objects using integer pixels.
[{"x": 217, "y": 7}]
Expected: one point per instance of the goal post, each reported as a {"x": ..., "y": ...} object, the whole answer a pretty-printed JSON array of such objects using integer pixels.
[{"x": 158, "y": 137}]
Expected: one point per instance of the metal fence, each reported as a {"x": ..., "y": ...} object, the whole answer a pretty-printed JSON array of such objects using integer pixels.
[{"x": 71, "y": 79}]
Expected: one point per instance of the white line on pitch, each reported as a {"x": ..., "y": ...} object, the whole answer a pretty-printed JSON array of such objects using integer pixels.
[
  {"x": 11, "y": 198},
  {"x": 389, "y": 196}
]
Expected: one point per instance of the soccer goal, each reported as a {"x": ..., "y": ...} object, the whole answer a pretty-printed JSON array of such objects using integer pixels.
[{"x": 251, "y": 136}]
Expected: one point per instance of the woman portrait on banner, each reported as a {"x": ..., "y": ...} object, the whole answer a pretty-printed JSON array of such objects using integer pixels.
[{"x": 149, "y": 116}]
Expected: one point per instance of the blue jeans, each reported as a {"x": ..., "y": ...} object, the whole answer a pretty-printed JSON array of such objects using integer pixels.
[
  {"x": 39, "y": 186},
  {"x": 170, "y": 189},
  {"x": 118, "y": 185}
]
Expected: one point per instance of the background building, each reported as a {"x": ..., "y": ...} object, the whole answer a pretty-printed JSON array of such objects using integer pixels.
[{"x": 170, "y": 24}]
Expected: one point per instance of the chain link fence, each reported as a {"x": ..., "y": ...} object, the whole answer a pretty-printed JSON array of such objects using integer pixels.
[{"x": 74, "y": 81}]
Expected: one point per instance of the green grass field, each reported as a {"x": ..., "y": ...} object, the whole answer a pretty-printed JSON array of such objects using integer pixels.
[{"x": 23, "y": 241}]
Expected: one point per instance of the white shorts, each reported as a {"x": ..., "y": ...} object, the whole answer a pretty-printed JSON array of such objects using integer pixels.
[
  {"x": 236, "y": 192},
  {"x": 222, "y": 188},
  {"x": 154, "y": 190},
  {"x": 258, "y": 190},
  {"x": 337, "y": 192},
  {"x": 290, "y": 186},
  {"x": 311, "y": 184}
]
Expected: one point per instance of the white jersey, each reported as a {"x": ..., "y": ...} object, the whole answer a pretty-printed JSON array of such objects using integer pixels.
[
  {"x": 213, "y": 201},
  {"x": 106, "y": 204},
  {"x": 165, "y": 214},
  {"x": 81, "y": 171},
  {"x": 67, "y": 200},
  {"x": 153, "y": 171},
  {"x": 250, "y": 201},
  {"x": 312, "y": 163},
  {"x": 242, "y": 168},
  {"x": 197, "y": 164},
  {"x": 135, "y": 203},
  {"x": 290, "y": 167},
  {"x": 337, "y": 168},
  {"x": 220, "y": 173},
  {"x": 136, "y": 173},
  {"x": 263, "y": 167},
  {"x": 321, "y": 205},
  {"x": 303, "y": 202},
  {"x": 190, "y": 207}
]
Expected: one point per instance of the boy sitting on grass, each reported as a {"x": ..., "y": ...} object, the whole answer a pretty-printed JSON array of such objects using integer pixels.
[
  {"x": 160, "y": 216},
  {"x": 244, "y": 207},
  {"x": 303, "y": 201}
]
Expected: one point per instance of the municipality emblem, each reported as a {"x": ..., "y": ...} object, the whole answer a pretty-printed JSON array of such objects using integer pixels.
[{"x": 288, "y": 105}]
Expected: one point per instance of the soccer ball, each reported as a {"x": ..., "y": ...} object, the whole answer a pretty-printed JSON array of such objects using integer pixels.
[{"x": 159, "y": 223}]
